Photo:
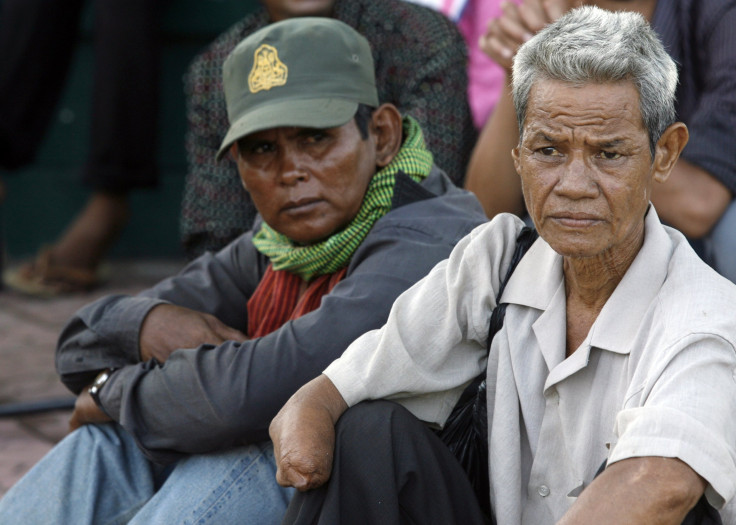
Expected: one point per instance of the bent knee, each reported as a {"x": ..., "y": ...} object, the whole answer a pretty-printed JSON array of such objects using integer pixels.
[{"x": 372, "y": 421}]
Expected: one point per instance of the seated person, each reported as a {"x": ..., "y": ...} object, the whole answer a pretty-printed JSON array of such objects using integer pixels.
[
  {"x": 420, "y": 59},
  {"x": 352, "y": 213},
  {"x": 698, "y": 198},
  {"x": 618, "y": 344},
  {"x": 485, "y": 77}
]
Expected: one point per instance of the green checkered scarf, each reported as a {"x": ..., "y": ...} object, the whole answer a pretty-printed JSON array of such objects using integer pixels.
[{"x": 335, "y": 252}]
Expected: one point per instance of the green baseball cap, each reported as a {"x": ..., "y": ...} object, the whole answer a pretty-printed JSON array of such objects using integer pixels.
[{"x": 308, "y": 72}]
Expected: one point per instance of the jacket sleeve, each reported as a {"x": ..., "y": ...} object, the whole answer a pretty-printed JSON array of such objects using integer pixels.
[
  {"x": 105, "y": 333},
  {"x": 210, "y": 398}
]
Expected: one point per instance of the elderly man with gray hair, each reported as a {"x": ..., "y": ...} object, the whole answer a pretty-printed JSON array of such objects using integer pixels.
[{"x": 618, "y": 345}]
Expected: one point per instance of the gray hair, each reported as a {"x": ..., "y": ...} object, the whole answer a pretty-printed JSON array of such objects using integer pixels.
[{"x": 589, "y": 44}]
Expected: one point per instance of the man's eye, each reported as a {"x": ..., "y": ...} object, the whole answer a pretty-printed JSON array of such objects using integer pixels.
[
  {"x": 609, "y": 155},
  {"x": 261, "y": 147},
  {"x": 316, "y": 136},
  {"x": 549, "y": 151}
]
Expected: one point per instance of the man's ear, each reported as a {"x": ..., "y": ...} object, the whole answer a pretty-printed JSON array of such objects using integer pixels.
[
  {"x": 234, "y": 153},
  {"x": 669, "y": 147},
  {"x": 517, "y": 160},
  {"x": 385, "y": 126}
]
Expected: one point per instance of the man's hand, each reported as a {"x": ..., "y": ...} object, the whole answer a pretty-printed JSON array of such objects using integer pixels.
[
  {"x": 519, "y": 23},
  {"x": 303, "y": 435},
  {"x": 168, "y": 327},
  {"x": 86, "y": 411}
]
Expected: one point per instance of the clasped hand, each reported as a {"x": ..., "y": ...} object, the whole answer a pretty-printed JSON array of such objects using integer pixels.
[
  {"x": 166, "y": 328},
  {"x": 519, "y": 23},
  {"x": 86, "y": 411}
]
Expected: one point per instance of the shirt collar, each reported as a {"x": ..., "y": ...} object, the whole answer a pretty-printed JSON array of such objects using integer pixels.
[
  {"x": 619, "y": 321},
  {"x": 539, "y": 275},
  {"x": 536, "y": 278}
]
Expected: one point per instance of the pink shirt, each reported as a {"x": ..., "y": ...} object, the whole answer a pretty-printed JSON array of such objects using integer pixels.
[{"x": 485, "y": 77}]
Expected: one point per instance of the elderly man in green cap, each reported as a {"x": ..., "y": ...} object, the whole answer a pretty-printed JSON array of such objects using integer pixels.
[{"x": 177, "y": 386}]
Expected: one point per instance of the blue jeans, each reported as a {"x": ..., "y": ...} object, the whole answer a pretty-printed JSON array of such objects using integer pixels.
[{"x": 98, "y": 475}]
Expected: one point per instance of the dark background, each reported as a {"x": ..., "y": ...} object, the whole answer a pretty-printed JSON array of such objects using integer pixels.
[{"x": 43, "y": 198}]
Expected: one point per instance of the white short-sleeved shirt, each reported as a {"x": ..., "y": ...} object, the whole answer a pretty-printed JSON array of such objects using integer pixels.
[{"x": 656, "y": 375}]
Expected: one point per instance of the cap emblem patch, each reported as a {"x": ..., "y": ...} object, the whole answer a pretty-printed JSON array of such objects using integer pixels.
[{"x": 268, "y": 71}]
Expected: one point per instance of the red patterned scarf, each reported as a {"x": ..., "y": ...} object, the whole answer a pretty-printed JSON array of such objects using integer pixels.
[{"x": 281, "y": 297}]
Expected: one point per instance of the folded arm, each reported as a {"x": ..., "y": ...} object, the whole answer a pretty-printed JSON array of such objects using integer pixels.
[
  {"x": 107, "y": 333},
  {"x": 220, "y": 395},
  {"x": 675, "y": 438}
]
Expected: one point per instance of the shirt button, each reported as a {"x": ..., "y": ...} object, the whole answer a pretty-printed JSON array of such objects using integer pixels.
[{"x": 543, "y": 490}]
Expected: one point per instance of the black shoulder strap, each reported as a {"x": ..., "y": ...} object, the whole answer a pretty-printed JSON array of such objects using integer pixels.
[{"x": 524, "y": 240}]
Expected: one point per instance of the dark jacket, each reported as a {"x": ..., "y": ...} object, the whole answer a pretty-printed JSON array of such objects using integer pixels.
[{"x": 208, "y": 398}]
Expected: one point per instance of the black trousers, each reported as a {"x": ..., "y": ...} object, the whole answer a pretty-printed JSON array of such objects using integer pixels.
[
  {"x": 388, "y": 469},
  {"x": 37, "y": 41}
]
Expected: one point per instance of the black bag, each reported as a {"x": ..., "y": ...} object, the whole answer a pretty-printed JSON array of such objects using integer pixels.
[{"x": 466, "y": 430}]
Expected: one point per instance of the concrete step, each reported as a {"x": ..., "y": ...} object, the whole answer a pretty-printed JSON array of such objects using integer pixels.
[{"x": 29, "y": 328}]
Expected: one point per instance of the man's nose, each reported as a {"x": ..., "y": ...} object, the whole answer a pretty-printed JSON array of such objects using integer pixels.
[
  {"x": 293, "y": 168},
  {"x": 577, "y": 179}
]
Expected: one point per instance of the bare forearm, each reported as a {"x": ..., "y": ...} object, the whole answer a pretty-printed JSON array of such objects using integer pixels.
[
  {"x": 321, "y": 391},
  {"x": 491, "y": 175},
  {"x": 303, "y": 434},
  {"x": 691, "y": 199},
  {"x": 648, "y": 490}
]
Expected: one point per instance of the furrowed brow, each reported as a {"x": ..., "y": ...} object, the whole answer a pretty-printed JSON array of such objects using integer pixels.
[
  {"x": 613, "y": 143},
  {"x": 542, "y": 136}
]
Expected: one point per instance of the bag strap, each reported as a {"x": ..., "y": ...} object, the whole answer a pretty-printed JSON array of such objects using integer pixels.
[{"x": 524, "y": 241}]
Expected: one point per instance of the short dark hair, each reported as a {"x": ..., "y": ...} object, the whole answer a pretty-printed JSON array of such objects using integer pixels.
[{"x": 362, "y": 118}]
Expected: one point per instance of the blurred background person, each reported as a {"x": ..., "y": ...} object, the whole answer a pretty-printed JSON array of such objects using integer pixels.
[
  {"x": 485, "y": 77},
  {"x": 37, "y": 42},
  {"x": 698, "y": 197}
]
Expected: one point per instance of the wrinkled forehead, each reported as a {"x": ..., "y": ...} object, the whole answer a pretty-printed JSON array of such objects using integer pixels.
[{"x": 606, "y": 108}]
